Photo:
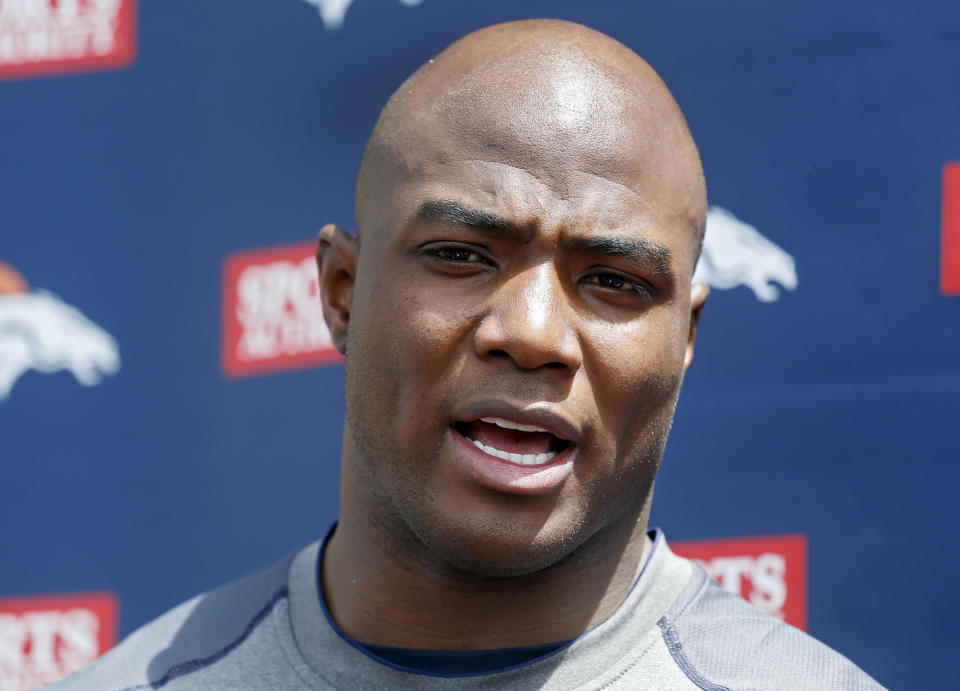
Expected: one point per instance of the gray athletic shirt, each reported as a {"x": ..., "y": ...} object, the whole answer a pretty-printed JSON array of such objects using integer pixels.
[{"x": 675, "y": 630}]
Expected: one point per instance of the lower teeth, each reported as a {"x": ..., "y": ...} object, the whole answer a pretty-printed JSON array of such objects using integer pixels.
[{"x": 519, "y": 459}]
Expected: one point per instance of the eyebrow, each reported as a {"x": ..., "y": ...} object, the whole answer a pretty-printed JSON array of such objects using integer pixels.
[
  {"x": 452, "y": 211},
  {"x": 633, "y": 248}
]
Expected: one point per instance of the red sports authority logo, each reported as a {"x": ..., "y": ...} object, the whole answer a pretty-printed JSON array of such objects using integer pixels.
[
  {"x": 770, "y": 572},
  {"x": 39, "y": 37},
  {"x": 272, "y": 317},
  {"x": 45, "y": 638},
  {"x": 950, "y": 237}
]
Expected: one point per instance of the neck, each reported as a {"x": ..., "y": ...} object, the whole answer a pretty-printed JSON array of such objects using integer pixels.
[{"x": 384, "y": 593}]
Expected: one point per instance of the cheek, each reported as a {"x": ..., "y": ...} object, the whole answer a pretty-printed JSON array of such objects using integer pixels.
[
  {"x": 635, "y": 383},
  {"x": 408, "y": 346}
]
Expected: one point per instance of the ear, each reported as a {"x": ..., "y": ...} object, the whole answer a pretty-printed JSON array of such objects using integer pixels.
[
  {"x": 337, "y": 266},
  {"x": 698, "y": 298}
]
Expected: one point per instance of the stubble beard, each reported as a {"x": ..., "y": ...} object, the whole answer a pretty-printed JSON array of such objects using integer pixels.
[{"x": 411, "y": 523}]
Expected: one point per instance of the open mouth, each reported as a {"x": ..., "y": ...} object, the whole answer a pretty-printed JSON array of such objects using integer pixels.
[{"x": 512, "y": 441}]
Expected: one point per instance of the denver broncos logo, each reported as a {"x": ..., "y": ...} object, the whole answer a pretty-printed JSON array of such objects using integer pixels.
[
  {"x": 40, "y": 331},
  {"x": 332, "y": 12},
  {"x": 735, "y": 253}
]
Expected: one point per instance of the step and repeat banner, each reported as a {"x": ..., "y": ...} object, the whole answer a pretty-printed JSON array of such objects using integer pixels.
[{"x": 171, "y": 406}]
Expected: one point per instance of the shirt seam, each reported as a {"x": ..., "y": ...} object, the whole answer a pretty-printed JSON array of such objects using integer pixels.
[
  {"x": 696, "y": 573},
  {"x": 283, "y": 622},
  {"x": 195, "y": 665},
  {"x": 672, "y": 639}
]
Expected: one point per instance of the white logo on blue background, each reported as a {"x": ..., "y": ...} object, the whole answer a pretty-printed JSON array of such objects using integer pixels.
[
  {"x": 333, "y": 11},
  {"x": 40, "y": 331},
  {"x": 735, "y": 253}
]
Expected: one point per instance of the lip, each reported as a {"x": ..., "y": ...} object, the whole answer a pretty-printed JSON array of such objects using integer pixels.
[
  {"x": 504, "y": 476},
  {"x": 541, "y": 414}
]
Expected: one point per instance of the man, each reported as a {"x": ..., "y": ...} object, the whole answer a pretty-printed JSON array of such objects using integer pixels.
[{"x": 517, "y": 314}]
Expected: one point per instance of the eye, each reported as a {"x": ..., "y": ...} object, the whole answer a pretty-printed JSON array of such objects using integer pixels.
[
  {"x": 455, "y": 259},
  {"x": 614, "y": 281},
  {"x": 617, "y": 283},
  {"x": 455, "y": 254}
]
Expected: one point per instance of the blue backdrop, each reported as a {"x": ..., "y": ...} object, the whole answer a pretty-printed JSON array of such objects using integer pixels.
[{"x": 833, "y": 411}]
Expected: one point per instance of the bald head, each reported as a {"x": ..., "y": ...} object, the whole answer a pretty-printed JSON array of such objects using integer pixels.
[{"x": 543, "y": 94}]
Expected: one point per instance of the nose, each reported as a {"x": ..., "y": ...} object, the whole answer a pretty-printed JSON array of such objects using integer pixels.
[{"x": 530, "y": 321}]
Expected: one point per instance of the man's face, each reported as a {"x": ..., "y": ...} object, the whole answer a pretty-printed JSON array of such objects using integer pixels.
[{"x": 519, "y": 328}]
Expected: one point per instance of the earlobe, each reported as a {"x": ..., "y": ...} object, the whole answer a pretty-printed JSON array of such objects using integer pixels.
[
  {"x": 698, "y": 298},
  {"x": 337, "y": 267}
]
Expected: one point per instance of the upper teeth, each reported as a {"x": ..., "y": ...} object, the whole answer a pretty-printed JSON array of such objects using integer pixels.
[
  {"x": 507, "y": 424},
  {"x": 521, "y": 459}
]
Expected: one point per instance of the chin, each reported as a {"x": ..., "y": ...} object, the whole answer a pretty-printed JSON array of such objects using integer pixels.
[
  {"x": 498, "y": 549},
  {"x": 506, "y": 563}
]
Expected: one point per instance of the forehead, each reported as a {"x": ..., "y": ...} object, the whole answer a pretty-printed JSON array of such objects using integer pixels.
[
  {"x": 539, "y": 197},
  {"x": 557, "y": 140},
  {"x": 553, "y": 194},
  {"x": 573, "y": 117}
]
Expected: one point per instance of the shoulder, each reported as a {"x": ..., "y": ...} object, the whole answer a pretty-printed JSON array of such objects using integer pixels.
[
  {"x": 723, "y": 642},
  {"x": 190, "y": 637}
]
